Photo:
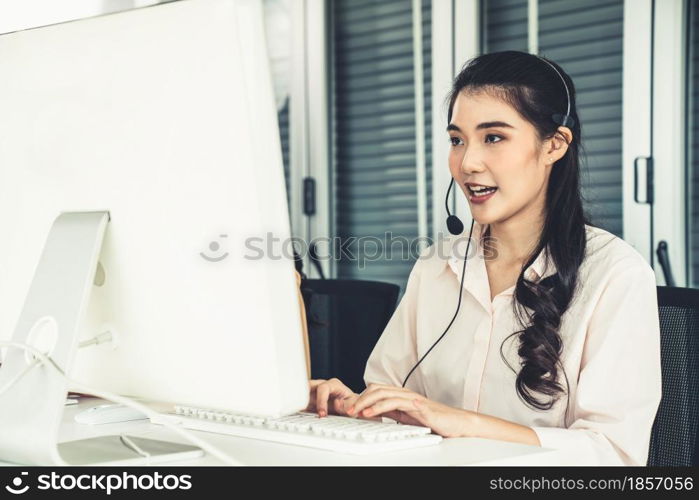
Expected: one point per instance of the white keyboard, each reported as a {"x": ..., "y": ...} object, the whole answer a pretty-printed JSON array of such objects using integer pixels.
[{"x": 342, "y": 434}]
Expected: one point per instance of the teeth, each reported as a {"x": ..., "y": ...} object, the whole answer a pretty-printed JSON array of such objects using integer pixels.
[{"x": 481, "y": 190}]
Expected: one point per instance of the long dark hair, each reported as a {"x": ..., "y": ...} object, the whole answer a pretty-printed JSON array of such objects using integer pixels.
[{"x": 534, "y": 89}]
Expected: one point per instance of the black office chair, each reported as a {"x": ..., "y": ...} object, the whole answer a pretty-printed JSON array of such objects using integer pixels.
[
  {"x": 345, "y": 320},
  {"x": 674, "y": 436}
]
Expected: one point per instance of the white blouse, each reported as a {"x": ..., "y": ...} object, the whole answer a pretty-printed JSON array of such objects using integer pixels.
[{"x": 611, "y": 347}]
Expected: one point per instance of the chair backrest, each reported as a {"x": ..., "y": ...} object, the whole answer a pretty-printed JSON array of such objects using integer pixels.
[
  {"x": 345, "y": 320},
  {"x": 674, "y": 436}
]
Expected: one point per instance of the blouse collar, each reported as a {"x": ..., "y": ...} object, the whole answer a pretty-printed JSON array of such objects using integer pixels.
[{"x": 542, "y": 267}]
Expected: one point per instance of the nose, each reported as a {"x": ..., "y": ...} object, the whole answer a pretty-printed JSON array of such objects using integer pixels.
[{"x": 471, "y": 164}]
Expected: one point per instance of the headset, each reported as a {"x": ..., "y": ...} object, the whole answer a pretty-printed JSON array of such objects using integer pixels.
[{"x": 456, "y": 227}]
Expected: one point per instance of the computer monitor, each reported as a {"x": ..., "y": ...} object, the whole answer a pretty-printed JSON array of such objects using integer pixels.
[{"x": 164, "y": 117}]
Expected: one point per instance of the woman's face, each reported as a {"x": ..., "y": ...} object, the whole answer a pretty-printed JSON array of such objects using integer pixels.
[{"x": 492, "y": 145}]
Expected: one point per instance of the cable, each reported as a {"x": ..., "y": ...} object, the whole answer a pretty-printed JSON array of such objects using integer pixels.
[
  {"x": 17, "y": 377},
  {"x": 458, "y": 306},
  {"x": 46, "y": 360},
  {"x": 126, "y": 441},
  {"x": 97, "y": 339}
]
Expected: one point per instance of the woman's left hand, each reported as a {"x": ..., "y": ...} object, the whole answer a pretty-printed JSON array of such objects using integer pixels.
[{"x": 408, "y": 407}]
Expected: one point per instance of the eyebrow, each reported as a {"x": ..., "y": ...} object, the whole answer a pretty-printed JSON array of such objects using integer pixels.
[{"x": 480, "y": 126}]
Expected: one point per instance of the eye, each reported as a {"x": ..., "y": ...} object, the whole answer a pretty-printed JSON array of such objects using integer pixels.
[
  {"x": 492, "y": 135},
  {"x": 455, "y": 141}
]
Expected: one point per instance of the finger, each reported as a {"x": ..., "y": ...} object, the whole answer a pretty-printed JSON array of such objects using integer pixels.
[
  {"x": 338, "y": 406},
  {"x": 311, "y": 404},
  {"x": 351, "y": 400},
  {"x": 313, "y": 385},
  {"x": 311, "y": 401},
  {"x": 342, "y": 404},
  {"x": 369, "y": 399},
  {"x": 389, "y": 404},
  {"x": 339, "y": 389},
  {"x": 330, "y": 390},
  {"x": 375, "y": 387},
  {"x": 322, "y": 394},
  {"x": 402, "y": 417},
  {"x": 316, "y": 382},
  {"x": 409, "y": 418},
  {"x": 396, "y": 415}
]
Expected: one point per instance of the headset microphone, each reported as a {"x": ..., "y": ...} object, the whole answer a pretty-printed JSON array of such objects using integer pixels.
[{"x": 454, "y": 224}]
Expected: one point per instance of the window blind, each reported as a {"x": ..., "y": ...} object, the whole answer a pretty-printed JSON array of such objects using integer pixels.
[
  {"x": 504, "y": 25},
  {"x": 375, "y": 187},
  {"x": 283, "y": 118},
  {"x": 586, "y": 40}
]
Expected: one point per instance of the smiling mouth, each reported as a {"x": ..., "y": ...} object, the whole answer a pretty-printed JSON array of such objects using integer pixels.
[{"x": 481, "y": 190}]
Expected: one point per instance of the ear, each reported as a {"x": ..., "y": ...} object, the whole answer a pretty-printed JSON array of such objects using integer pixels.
[{"x": 557, "y": 145}]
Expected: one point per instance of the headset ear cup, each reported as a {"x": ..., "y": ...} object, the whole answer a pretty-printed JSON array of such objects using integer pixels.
[{"x": 564, "y": 120}]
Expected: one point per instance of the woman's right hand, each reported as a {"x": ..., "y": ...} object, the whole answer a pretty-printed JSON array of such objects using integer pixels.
[{"x": 330, "y": 396}]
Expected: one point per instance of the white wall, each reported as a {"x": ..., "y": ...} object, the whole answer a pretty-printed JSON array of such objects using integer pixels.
[{"x": 22, "y": 14}]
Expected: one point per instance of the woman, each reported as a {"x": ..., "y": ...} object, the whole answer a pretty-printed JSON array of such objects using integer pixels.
[{"x": 556, "y": 342}]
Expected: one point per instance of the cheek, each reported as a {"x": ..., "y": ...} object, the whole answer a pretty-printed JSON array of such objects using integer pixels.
[
  {"x": 455, "y": 159},
  {"x": 523, "y": 184}
]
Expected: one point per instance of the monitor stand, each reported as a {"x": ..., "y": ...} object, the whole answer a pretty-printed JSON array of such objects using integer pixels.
[{"x": 31, "y": 408}]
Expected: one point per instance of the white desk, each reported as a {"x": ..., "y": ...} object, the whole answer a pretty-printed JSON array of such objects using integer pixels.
[{"x": 453, "y": 451}]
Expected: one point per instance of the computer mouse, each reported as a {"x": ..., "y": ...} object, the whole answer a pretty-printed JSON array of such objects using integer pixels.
[{"x": 109, "y": 414}]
